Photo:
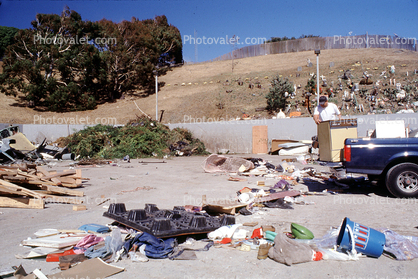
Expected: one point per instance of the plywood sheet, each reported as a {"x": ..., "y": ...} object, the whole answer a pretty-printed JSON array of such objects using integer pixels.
[{"x": 260, "y": 139}]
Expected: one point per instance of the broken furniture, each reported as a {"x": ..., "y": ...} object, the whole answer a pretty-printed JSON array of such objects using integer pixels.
[{"x": 166, "y": 223}]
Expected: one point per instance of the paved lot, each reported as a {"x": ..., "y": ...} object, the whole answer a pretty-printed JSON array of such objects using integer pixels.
[{"x": 182, "y": 181}]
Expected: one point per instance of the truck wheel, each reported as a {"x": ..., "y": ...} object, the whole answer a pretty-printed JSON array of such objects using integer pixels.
[{"x": 402, "y": 180}]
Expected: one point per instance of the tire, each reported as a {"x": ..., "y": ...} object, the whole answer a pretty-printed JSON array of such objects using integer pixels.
[{"x": 402, "y": 180}]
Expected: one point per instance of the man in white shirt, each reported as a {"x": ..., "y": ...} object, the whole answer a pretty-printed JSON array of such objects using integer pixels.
[{"x": 326, "y": 111}]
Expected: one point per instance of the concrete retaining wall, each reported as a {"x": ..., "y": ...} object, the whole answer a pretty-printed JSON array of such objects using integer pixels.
[{"x": 235, "y": 136}]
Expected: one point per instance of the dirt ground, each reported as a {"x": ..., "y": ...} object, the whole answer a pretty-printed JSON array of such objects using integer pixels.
[
  {"x": 182, "y": 181},
  {"x": 211, "y": 89}
]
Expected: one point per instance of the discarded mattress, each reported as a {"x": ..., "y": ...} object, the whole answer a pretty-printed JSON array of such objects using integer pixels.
[
  {"x": 219, "y": 163},
  {"x": 166, "y": 223}
]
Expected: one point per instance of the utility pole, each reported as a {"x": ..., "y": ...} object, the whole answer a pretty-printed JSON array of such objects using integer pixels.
[{"x": 317, "y": 52}]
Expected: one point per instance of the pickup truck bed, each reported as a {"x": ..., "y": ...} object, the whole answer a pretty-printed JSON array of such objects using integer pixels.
[{"x": 394, "y": 161}]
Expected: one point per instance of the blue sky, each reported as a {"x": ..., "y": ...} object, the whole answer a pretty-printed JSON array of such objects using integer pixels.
[{"x": 251, "y": 21}]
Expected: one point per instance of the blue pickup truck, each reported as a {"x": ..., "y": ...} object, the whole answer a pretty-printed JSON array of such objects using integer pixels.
[{"x": 393, "y": 161}]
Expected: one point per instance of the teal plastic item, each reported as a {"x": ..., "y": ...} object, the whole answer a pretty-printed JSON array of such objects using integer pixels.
[
  {"x": 94, "y": 228},
  {"x": 301, "y": 232},
  {"x": 270, "y": 235}
]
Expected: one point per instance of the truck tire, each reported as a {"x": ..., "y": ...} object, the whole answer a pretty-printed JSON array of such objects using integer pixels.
[{"x": 402, "y": 180}]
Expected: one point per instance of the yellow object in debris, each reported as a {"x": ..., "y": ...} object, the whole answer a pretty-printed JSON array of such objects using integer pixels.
[{"x": 22, "y": 143}]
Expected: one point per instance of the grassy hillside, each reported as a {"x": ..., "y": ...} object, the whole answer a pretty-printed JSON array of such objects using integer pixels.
[{"x": 210, "y": 90}]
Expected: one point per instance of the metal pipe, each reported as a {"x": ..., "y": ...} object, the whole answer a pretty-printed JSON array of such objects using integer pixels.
[
  {"x": 317, "y": 76},
  {"x": 156, "y": 95}
]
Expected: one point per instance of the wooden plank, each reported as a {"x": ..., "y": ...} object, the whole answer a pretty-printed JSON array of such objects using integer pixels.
[
  {"x": 18, "y": 189},
  {"x": 42, "y": 170},
  {"x": 27, "y": 175},
  {"x": 46, "y": 173},
  {"x": 63, "y": 199},
  {"x": 78, "y": 173},
  {"x": 260, "y": 139},
  {"x": 79, "y": 207},
  {"x": 15, "y": 179},
  {"x": 68, "y": 185},
  {"x": 276, "y": 196},
  {"x": 69, "y": 172},
  {"x": 22, "y": 203},
  {"x": 222, "y": 206},
  {"x": 56, "y": 180},
  {"x": 7, "y": 172},
  {"x": 61, "y": 190},
  {"x": 67, "y": 179}
]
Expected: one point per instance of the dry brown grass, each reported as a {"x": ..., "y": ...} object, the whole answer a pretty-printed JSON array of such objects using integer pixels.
[{"x": 197, "y": 90}]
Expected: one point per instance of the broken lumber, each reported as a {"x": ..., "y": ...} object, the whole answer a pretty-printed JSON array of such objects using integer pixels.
[
  {"x": 18, "y": 189},
  {"x": 22, "y": 202},
  {"x": 276, "y": 196},
  {"x": 61, "y": 190}
]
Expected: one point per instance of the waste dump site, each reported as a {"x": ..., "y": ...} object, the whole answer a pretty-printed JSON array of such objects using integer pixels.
[{"x": 142, "y": 200}]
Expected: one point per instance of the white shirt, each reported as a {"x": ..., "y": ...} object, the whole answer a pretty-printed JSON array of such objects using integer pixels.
[{"x": 331, "y": 112}]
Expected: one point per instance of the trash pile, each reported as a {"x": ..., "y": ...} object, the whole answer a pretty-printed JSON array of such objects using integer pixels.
[
  {"x": 89, "y": 250},
  {"x": 140, "y": 138},
  {"x": 16, "y": 148},
  {"x": 138, "y": 236}
]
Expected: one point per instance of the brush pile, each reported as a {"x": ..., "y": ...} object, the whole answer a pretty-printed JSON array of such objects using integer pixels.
[{"x": 140, "y": 138}]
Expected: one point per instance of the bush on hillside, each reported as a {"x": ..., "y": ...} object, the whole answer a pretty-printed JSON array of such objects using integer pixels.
[{"x": 277, "y": 98}]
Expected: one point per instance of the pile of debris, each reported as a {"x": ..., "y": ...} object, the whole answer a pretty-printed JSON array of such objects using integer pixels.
[
  {"x": 51, "y": 186},
  {"x": 15, "y": 147},
  {"x": 140, "y": 138}
]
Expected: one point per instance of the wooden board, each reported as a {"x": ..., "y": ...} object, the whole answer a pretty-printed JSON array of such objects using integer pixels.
[
  {"x": 18, "y": 189},
  {"x": 222, "y": 206},
  {"x": 61, "y": 190},
  {"x": 260, "y": 139},
  {"x": 276, "y": 196},
  {"x": 22, "y": 203},
  {"x": 61, "y": 199}
]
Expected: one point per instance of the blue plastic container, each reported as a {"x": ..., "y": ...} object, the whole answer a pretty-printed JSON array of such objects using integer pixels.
[{"x": 366, "y": 240}]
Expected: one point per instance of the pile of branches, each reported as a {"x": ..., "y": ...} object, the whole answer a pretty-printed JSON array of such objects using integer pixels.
[{"x": 140, "y": 138}]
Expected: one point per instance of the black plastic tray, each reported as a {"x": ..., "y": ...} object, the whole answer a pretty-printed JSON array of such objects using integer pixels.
[{"x": 166, "y": 223}]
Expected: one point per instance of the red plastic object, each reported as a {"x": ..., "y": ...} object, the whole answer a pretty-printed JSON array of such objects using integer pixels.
[
  {"x": 226, "y": 240},
  {"x": 317, "y": 256},
  {"x": 257, "y": 233},
  {"x": 55, "y": 257}
]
